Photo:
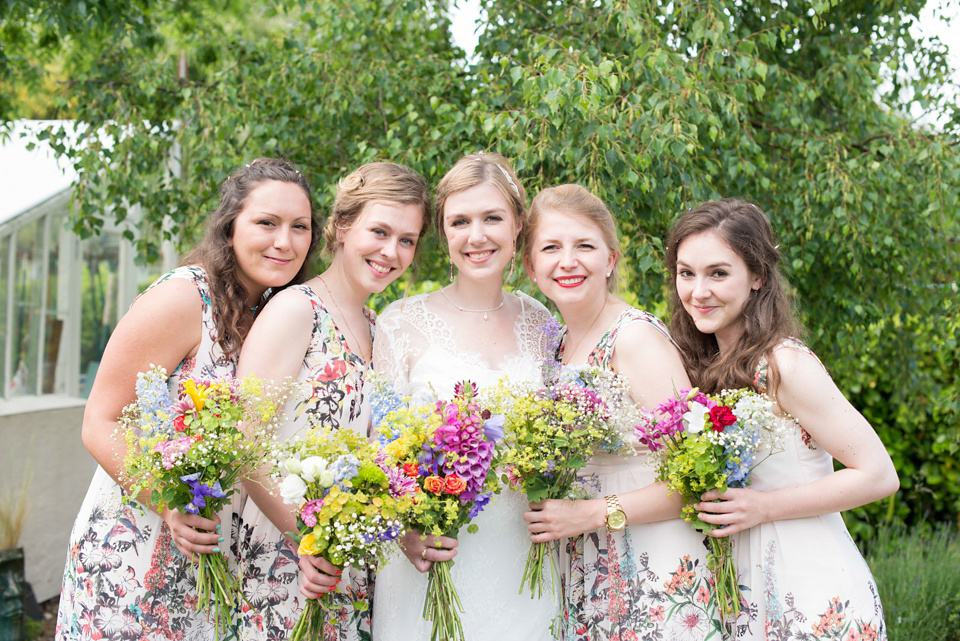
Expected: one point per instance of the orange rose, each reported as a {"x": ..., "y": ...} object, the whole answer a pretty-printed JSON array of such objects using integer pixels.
[
  {"x": 454, "y": 484},
  {"x": 433, "y": 484},
  {"x": 411, "y": 469}
]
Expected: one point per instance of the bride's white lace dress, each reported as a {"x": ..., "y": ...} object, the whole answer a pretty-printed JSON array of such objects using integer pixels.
[{"x": 424, "y": 347}]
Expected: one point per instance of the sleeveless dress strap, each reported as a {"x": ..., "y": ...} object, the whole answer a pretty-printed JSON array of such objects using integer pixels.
[{"x": 761, "y": 375}]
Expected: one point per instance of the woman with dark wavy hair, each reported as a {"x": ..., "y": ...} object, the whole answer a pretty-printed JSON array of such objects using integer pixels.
[
  {"x": 129, "y": 572},
  {"x": 802, "y": 575}
]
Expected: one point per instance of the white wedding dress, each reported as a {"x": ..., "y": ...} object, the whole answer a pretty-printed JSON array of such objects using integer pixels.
[{"x": 424, "y": 347}]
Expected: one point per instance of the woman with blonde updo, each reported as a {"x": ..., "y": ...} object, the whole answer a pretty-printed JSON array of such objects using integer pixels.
[
  {"x": 470, "y": 329},
  {"x": 322, "y": 332}
]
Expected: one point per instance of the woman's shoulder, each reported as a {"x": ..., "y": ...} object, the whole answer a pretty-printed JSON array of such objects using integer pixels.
[
  {"x": 532, "y": 308},
  {"x": 796, "y": 363},
  {"x": 180, "y": 290},
  {"x": 401, "y": 307},
  {"x": 296, "y": 300},
  {"x": 635, "y": 324},
  {"x": 791, "y": 352}
]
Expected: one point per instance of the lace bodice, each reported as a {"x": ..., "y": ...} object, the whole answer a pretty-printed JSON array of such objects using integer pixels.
[{"x": 423, "y": 354}]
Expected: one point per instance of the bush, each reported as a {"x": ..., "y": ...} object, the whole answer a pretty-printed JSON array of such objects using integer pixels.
[{"x": 918, "y": 575}]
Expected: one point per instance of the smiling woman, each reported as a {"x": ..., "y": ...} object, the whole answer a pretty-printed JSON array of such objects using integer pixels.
[
  {"x": 124, "y": 575},
  {"x": 320, "y": 333}
]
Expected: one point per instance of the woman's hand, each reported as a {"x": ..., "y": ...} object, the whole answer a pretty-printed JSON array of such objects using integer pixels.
[
  {"x": 317, "y": 576},
  {"x": 553, "y": 519},
  {"x": 736, "y": 510},
  {"x": 193, "y": 534},
  {"x": 423, "y": 552}
]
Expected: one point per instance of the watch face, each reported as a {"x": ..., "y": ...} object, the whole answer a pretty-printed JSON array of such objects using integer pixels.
[{"x": 616, "y": 520}]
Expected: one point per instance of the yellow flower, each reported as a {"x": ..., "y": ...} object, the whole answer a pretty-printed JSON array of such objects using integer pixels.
[
  {"x": 308, "y": 545},
  {"x": 197, "y": 392}
]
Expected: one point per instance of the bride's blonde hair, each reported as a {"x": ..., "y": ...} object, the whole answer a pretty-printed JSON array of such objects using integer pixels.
[{"x": 477, "y": 169}]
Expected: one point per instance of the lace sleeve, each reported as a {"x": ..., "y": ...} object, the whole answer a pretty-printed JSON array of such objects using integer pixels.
[
  {"x": 538, "y": 332},
  {"x": 399, "y": 342}
]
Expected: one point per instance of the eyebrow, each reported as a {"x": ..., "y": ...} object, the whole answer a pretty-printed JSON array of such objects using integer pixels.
[
  {"x": 680, "y": 262},
  {"x": 265, "y": 212},
  {"x": 492, "y": 210},
  {"x": 380, "y": 223}
]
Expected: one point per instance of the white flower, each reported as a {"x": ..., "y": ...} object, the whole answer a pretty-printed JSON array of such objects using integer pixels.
[
  {"x": 325, "y": 478},
  {"x": 311, "y": 468},
  {"x": 293, "y": 490},
  {"x": 696, "y": 417},
  {"x": 293, "y": 465}
]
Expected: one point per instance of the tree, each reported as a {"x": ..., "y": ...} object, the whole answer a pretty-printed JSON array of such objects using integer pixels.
[{"x": 801, "y": 107}]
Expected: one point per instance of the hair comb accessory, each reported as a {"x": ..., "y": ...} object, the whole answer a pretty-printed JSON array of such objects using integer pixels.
[{"x": 512, "y": 184}]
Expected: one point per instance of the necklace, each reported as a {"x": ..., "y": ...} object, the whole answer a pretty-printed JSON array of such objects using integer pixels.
[
  {"x": 570, "y": 354},
  {"x": 475, "y": 311},
  {"x": 346, "y": 323}
]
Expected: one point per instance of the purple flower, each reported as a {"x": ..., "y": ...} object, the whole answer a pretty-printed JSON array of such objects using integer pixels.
[
  {"x": 200, "y": 491},
  {"x": 493, "y": 427},
  {"x": 480, "y": 503}
]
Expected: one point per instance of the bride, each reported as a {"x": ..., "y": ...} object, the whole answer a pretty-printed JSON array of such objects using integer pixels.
[{"x": 471, "y": 329}]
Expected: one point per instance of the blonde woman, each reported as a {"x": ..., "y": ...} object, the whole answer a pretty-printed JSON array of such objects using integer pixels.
[
  {"x": 470, "y": 329},
  {"x": 321, "y": 333}
]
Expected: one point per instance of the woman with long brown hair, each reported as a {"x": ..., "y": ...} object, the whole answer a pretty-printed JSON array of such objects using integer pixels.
[
  {"x": 128, "y": 572},
  {"x": 802, "y": 575}
]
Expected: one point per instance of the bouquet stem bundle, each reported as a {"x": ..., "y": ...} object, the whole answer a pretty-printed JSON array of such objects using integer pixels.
[{"x": 442, "y": 606}]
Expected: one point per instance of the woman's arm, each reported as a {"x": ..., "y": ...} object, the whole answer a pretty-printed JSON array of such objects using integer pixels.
[
  {"x": 652, "y": 366},
  {"x": 274, "y": 350},
  {"x": 808, "y": 394},
  {"x": 162, "y": 327}
]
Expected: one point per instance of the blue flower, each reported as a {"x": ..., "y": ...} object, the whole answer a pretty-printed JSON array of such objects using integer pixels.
[{"x": 480, "y": 503}]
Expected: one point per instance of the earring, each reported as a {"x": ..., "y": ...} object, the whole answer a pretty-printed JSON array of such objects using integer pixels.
[
  {"x": 513, "y": 260},
  {"x": 451, "y": 270}
]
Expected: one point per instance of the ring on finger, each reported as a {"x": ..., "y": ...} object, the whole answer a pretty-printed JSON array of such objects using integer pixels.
[{"x": 423, "y": 554}]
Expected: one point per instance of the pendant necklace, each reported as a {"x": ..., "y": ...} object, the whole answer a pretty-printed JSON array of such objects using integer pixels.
[
  {"x": 585, "y": 334},
  {"x": 346, "y": 323},
  {"x": 475, "y": 311}
]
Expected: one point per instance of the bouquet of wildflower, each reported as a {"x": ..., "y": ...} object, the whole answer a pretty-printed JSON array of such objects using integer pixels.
[
  {"x": 711, "y": 443},
  {"x": 549, "y": 435},
  {"x": 190, "y": 453},
  {"x": 349, "y": 498},
  {"x": 446, "y": 450}
]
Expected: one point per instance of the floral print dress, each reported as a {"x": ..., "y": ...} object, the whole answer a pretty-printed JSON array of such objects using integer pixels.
[
  {"x": 648, "y": 581},
  {"x": 331, "y": 394},
  {"x": 803, "y": 579},
  {"x": 124, "y": 577}
]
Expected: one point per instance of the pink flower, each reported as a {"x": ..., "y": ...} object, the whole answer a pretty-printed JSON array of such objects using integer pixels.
[{"x": 656, "y": 613}]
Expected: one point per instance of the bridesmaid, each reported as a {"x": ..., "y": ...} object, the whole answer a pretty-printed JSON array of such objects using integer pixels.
[
  {"x": 128, "y": 575},
  {"x": 804, "y": 577},
  {"x": 633, "y": 568},
  {"x": 322, "y": 333},
  {"x": 471, "y": 329}
]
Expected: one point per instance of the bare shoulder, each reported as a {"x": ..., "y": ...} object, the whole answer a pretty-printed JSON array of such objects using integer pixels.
[
  {"x": 292, "y": 305},
  {"x": 642, "y": 337},
  {"x": 167, "y": 306},
  {"x": 798, "y": 364}
]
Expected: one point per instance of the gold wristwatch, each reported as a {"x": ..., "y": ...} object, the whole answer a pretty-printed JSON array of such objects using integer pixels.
[{"x": 616, "y": 518}]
